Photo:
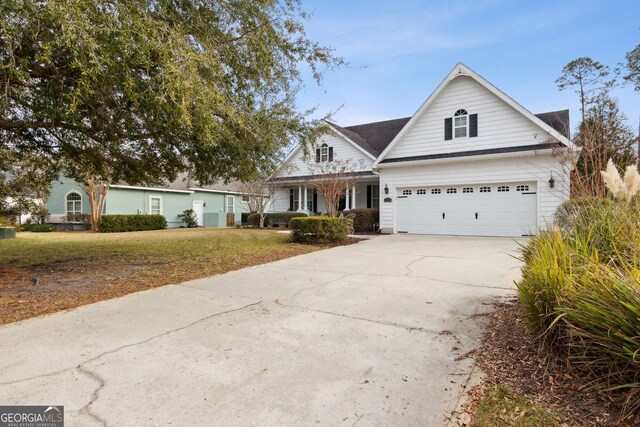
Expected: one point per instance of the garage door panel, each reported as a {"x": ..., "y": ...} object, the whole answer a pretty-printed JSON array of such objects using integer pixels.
[{"x": 509, "y": 212}]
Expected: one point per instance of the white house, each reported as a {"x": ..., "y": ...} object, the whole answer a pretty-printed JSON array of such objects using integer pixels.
[{"x": 470, "y": 161}]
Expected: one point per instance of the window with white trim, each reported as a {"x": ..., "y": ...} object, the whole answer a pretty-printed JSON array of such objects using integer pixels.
[
  {"x": 406, "y": 192},
  {"x": 421, "y": 191},
  {"x": 231, "y": 204},
  {"x": 245, "y": 199},
  {"x": 155, "y": 205},
  {"x": 522, "y": 188},
  {"x": 503, "y": 188},
  {"x": 460, "y": 123},
  {"x": 451, "y": 191},
  {"x": 324, "y": 153},
  {"x": 436, "y": 191},
  {"x": 467, "y": 190},
  {"x": 485, "y": 189},
  {"x": 73, "y": 203}
]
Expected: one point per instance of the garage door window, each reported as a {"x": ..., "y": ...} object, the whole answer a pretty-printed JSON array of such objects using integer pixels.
[
  {"x": 436, "y": 191},
  {"x": 503, "y": 188},
  {"x": 467, "y": 190},
  {"x": 522, "y": 188},
  {"x": 421, "y": 191},
  {"x": 406, "y": 192},
  {"x": 485, "y": 189},
  {"x": 451, "y": 191}
]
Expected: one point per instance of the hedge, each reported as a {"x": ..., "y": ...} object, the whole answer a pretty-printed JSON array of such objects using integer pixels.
[
  {"x": 319, "y": 229},
  {"x": 136, "y": 222},
  {"x": 42, "y": 228},
  {"x": 365, "y": 220},
  {"x": 244, "y": 216},
  {"x": 274, "y": 219}
]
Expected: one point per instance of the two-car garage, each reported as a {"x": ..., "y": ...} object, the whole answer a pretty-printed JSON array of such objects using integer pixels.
[{"x": 498, "y": 209}]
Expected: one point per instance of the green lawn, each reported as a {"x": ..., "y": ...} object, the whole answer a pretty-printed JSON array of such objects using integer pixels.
[
  {"x": 500, "y": 406},
  {"x": 46, "y": 272}
]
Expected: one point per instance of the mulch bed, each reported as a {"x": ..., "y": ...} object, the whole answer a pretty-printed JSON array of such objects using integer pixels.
[{"x": 511, "y": 355}]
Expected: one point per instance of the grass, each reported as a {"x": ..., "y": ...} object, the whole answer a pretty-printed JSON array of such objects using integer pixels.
[
  {"x": 501, "y": 406},
  {"x": 47, "y": 272}
]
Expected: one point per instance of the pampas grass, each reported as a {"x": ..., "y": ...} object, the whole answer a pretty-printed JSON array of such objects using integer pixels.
[{"x": 622, "y": 189}]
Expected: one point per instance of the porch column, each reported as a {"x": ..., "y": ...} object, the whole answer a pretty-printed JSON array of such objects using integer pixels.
[
  {"x": 305, "y": 208},
  {"x": 299, "y": 198},
  {"x": 347, "y": 204},
  {"x": 353, "y": 197}
]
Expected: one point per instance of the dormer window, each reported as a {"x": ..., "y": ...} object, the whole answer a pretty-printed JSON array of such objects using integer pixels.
[
  {"x": 460, "y": 123},
  {"x": 324, "y": 153}
]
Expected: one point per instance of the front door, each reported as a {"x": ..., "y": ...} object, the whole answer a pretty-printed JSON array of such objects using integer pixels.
[
  {"x": 198, "y": 209},
  {"x": 231, "y": 211}
]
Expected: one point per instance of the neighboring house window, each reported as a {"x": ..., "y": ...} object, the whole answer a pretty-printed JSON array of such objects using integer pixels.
[
  {"x": 74, "y": 203},
  {"x": 485, "y": 189},
  {"x": 436, "y": 191},
  {"x": 231, "y": 204},
  {"x": 245, "y": 199},
  {"x": 155, "y": 205},
  {"x": 460, "y": 122}
]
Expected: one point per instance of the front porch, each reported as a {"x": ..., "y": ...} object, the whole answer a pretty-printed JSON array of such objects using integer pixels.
[{"x": 299, "y": 196}]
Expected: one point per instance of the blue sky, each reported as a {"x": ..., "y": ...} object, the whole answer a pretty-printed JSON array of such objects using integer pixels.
[{"x": 399, "y": 51}]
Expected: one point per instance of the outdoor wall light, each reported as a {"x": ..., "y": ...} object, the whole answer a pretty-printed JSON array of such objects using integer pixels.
[
  {"x": 204, "y": 205},
  {"x": 552, "y": 182},
  {"x": 386, "y": 189}
]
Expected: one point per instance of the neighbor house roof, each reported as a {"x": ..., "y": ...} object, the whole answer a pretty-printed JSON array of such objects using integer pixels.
[
  {"x": 375, "y": 137},
  {"x": 184, "y": 183}
]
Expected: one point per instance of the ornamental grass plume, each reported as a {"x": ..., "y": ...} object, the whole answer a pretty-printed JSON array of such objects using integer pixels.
[{"x": 622, "y": 189}]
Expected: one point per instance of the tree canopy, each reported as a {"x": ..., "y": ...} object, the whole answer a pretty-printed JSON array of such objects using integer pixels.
[
  {"x": 633, "y": 68},
  {"x": 139, "y": 90}
]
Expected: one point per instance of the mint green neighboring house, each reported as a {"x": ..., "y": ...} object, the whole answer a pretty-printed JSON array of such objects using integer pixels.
[{"x": 218, "y": 205}]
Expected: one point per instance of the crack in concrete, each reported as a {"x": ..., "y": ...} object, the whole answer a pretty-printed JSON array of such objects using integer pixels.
[
  {"x": 94, "y": 396},
  {"x": 93, "y": 359},
  {"x": 380, "y": 322}
]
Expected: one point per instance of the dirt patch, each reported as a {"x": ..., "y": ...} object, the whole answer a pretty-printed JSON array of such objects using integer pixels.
[
  {"x": 118, "y": 269},
  {"x": 511, "y": 356}
]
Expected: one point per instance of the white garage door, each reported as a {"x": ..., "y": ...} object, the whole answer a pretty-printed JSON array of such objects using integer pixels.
[{"x": 474, "y": 210}]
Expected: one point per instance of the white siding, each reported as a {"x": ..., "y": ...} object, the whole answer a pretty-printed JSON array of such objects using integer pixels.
[
  {"x": 536, "y": 168},
  {"x": 499, "y": 125},
  {"x": 342, "y": 150}
]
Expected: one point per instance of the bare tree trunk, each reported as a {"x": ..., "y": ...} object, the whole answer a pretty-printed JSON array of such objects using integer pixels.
[{"x": 97, "y": 193}]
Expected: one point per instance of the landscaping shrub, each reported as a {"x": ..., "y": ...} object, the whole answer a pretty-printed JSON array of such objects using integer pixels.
[
  {"x": 189, "y": 218},
  {"x": 545, "y": 279},
  {"x": 85, "y": 219},
  {"x": 244, "y": 216},
  {"x": 580, "y": 289},
  {"x": 319, "y": 229},
  {"x": 136, "y": 222},
  {"x": 274, "y": 219},
  {"x": 365, "y": 219},
  {"x": 602, "y": 319},
  {"x": 42, "y": 228}
]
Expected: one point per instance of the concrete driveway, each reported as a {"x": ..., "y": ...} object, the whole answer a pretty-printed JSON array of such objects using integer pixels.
[{"x": 366, "y": 334}]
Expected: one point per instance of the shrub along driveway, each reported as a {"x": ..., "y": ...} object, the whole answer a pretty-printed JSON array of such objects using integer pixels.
[{"x": 372, "y": 332}]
